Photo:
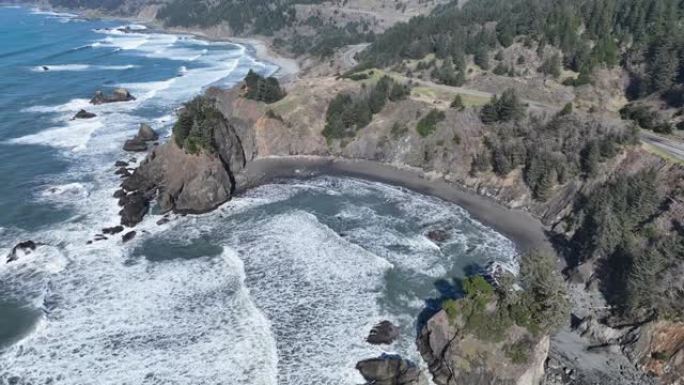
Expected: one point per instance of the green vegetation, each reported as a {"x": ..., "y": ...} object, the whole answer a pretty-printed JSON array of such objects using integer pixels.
[
  {"x": 347, "y": 113},
  {"x": 194, "y": 130},
  {"x": 504, "y": 109},
  {"x": 552, "y": 66},
  {"x": 646, "y": 118},
  {"x": 551, "y": 152},
  {"x": 457, "y": 103},
  {"x": 262, "y": 89},
  {"x": 644, "y": 36},
  {"x": 617, "y": 225},
  {"x": 269, "y": 18},
  {"x": 519, "y": 351},
  {"x": 428, "y": 123},
  {"x": 487, "y": 312}
]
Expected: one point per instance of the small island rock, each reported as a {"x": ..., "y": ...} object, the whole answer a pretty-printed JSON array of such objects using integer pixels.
[
  {"x": 118, "y": 95},
  {"x": 383, "y": 333},
  {"x": 83, "y": 114}
]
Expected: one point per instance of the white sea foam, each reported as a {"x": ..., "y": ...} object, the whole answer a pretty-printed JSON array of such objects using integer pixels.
[
  {"x": 289, "y": 300},
  {"x": 74, "y": 135},
  {"x": 81, "y": 67},
  {"x": 37, "y": 11},
  {"x": 167, "y": 323}
]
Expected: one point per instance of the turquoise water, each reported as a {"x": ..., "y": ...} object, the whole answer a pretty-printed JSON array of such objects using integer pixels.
[{"x": 279, "y": 286}]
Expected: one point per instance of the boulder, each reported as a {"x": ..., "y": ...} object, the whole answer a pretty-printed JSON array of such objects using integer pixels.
[
  {"x": 118, "y": 95},
  {"x": 112, "y": 230},
  {"x": 128, "y": 236},
  {"x": 389, "y": 370},
  {"x": 135, "y": 145},
  {"x": 21, "y": 248},
  {"x": 123, "y": 171},
  {"x": 437, "y": 235},
  {"x": 120, "y": 163},
  {"x": 83, "y": 114},
  {"x": 135, "y": 207},
  {"x": 118, "y": 194},
  {"x": 46, "y": 68},
  {"x": 146, "y": 133},
  {"x": 383, "y": 333}
]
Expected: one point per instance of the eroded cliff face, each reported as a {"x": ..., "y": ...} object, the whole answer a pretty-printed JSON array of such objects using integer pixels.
[
  {"x": 455, "y": 357},
  {"x": 658, "y": 348},
  {"x": 186, "y": 182}
]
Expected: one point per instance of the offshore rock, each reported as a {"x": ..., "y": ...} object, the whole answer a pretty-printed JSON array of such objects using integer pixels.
[
  {"x": 383, "y": 333},
  {"x": 118, "y": 95},
  {"x": 389, "y": 370}
]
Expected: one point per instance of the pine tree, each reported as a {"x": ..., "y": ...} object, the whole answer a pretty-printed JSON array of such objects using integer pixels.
[
  {"x": 481, "y": 58},
  {"x": 457, "y": 103},
  {"x": 489, "y": 113}
]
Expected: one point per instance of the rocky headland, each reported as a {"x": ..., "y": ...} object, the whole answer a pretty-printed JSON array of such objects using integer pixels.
[{"x": 252, "y": 142}]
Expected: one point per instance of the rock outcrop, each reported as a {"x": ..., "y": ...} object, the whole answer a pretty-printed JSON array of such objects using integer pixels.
[
  {"x": 383, "y": 333},
  {"x": 21, "y": 248},
  {"x": 389, "y": 370},
  {"x": 83, "y": 114},
  {"x": 118, "y": 95},
  {"x": 146, "y": 133},
  {"x": 456, "y": 358},
  {"x": 185, "y": 182},
  {"x": 139, "y": 142},
  {"x": 657, "y": 348}
]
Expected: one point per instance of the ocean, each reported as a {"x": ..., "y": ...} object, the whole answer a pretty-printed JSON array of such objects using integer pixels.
[{"x": 278, "y": 286}]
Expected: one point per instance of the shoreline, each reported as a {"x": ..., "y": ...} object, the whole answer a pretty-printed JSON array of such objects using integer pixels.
[
  {"x": 288, "y": 68},
  {"x": 526, "y": 232}
]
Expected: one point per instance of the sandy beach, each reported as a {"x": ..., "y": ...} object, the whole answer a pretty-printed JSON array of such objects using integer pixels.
[{"x": 522, "y": 228}]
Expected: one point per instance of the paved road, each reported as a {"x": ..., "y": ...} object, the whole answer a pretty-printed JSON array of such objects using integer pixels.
[
  {"x": 348, "y": 56},
  {"x": 672, "y": 146}
]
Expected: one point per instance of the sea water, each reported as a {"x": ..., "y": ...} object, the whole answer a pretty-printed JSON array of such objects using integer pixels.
[{"x": 279, "y": 286}]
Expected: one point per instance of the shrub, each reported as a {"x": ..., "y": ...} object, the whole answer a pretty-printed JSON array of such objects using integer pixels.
[{"x": 428, "y": 124}]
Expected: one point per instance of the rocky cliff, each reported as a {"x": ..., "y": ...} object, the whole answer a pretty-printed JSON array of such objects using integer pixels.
[
  {"x": 186, "y": 181},
  {"x": 456, "y": 357},
  {"x": 197, "y": 182}
]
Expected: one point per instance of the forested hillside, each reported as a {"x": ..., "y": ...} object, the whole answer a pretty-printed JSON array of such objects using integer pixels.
[{"x": 643, "y": 36}]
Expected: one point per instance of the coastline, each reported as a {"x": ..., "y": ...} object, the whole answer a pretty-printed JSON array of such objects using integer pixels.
[
  {"x": 260, "y": 48},
  {"x": 526, "y": 231}
]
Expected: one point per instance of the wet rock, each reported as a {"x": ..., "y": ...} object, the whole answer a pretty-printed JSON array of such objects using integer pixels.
[
  {"x": 120, "y": 163},
  {"x": 146, "y": 133},
  {"x": 389, "y": 370},
  {"x": 123, "y": 171},
  {"x": 21, "y": 248},
  {"x": 383, "y": 333},
  {"x": 437, "y": 235},
  {"x": 118, "y": 194},
  {"x": 128, "y": 236},
  {"x": 112, "y": 230},
  {"x": 100, "y": 237},
  {"x": 118, "y": 95},
  {"x": 163, "y": 221},
  {"x": 135, "y": 145},
  {"x": 135, "y": 206},
  {"x": 83, "y": 114},
  {"x": 46, "y": 68}
]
